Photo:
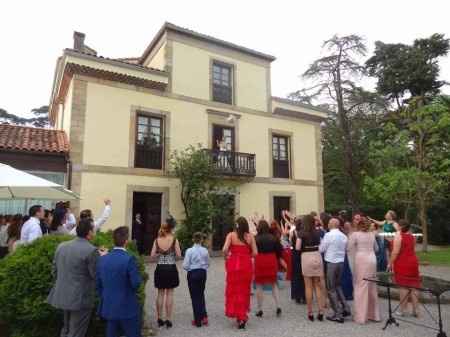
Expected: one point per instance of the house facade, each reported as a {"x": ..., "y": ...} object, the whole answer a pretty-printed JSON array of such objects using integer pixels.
[{"x": 124, "y": 117}]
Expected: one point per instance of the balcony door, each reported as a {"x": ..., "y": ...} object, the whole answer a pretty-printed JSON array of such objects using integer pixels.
[{"x": 223, "y": 138}]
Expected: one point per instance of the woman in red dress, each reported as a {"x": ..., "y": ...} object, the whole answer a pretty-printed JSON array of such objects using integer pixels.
[
  {"x": 267, "y": 261},
  {"x": 405, "y": 266},
  {"x": 239, "y": 248}
]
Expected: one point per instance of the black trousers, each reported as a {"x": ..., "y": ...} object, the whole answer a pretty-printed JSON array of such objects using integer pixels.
[{"x": 196, "y": 282}]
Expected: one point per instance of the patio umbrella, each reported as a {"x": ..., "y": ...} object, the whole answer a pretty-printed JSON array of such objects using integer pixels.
[{"x": 16, "y": 184}]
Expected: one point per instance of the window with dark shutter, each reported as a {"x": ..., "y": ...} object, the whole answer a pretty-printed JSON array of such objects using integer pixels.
[
  {"x": 222, "y": 82},
  {"x": 280, "y": 155},
  {"x": 149, "y": 142}
]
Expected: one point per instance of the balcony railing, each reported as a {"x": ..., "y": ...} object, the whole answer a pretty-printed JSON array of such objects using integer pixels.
[{"x": 230, "y": 163}]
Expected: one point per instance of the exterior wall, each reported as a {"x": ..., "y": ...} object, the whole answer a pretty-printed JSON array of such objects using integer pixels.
[
  {"x": 96, "y": 187},
  {"x": 67, "y": 112},
  {"x": 191, "y": 76},
  {"x": 252, "y": 196},
  {"x": 158, "y": 60},
  {"x": 101, "y": 155}
]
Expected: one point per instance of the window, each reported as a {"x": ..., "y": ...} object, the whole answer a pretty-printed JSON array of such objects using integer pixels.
[
  {"x": 222, "y": 90},
  {"x": 280, "y": 156},
  {"x": 149, "y": 142}
]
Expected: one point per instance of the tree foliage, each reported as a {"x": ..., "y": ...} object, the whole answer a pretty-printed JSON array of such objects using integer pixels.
[
  {"x": 40, "y": 118},
  {"x": 408, "y": 70},
  {"x": 26, "y": 280},
  {"x": 198, "y": 185},
  {"x": 353, "y": 112}
]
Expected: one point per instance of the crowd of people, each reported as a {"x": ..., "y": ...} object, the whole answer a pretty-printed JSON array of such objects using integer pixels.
[
  {"x": 326, "y": 258},
  {"x": 22, "y": 229}
]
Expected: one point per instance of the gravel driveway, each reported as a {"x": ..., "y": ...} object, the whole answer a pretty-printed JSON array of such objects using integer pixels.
[{"x": 293, "y": 321}]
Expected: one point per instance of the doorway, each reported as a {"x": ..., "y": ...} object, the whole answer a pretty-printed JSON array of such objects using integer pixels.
[
  {"x": 222, "y": 223},
  {"x": 279, "y": 205},
  {"x": 146, "y": 219}
]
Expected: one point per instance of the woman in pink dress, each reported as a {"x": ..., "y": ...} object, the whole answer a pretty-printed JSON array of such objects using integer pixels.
[
  {"x": 239, "y": 248},
  {"x": 362, "y": 246}
]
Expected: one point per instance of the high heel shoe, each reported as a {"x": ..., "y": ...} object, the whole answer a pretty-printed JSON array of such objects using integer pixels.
[
  {"x": 278, "y": 312},
  {"x": 168, "y": 324},
  {"x": 311, "y": 317},
  {"x": 320, "y": 317},
  {"x": 259, "y": 314},
  {"x": 241, "y": 325},
  {"x": 160, "y": 322}
]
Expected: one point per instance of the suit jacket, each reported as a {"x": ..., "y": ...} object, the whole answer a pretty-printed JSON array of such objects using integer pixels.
[
  {"x": 118, "y": 280},
  {"x": 74, "y": 266}
]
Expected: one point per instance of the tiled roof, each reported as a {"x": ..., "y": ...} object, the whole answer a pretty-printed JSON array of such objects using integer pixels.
[
  {"x": 118, "y": 61},
  {"x": 29, "y": 139}
]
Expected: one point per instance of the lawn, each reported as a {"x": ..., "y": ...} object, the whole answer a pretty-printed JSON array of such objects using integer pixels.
[{"x": 435, "y": 257}]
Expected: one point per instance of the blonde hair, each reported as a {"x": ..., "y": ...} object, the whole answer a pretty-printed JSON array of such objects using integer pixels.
[{"x": 164, "y": 230}]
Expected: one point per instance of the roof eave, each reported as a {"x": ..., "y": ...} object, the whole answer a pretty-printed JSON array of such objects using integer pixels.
[{"x": 170, "y": 26}]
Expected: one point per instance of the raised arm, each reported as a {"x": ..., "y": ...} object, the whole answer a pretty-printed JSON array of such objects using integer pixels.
[{"x": 104, "y": 216}]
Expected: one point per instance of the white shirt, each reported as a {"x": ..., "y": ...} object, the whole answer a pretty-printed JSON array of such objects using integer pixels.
[
  {"x": 99, "y": 221},
  {"x": 31, "y": 230},
  {"x": 334, "y": 245},
  {"x": 71, "y": 221}
]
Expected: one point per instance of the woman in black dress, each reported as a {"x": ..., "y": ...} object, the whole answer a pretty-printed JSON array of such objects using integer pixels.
[
  {"x": 297, "y": 281},
  {"x": 166, "y": 249}
]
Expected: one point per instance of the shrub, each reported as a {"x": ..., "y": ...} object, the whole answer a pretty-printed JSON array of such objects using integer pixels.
[{"x": 26, "y": 280}]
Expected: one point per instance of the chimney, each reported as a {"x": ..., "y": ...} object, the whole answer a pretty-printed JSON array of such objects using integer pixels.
[{"x": 78, "y": 41}]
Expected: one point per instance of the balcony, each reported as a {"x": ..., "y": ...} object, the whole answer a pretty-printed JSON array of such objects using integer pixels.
[{"x": 236, "y": 164}]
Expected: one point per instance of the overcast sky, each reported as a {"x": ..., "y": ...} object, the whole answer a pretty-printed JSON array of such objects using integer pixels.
[{"x": 34, "y": 33}]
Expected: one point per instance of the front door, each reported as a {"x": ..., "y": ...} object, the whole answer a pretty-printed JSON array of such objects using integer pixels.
[
  {"x": 280, "y": 204},
  {"x": 145, "y": 231}
]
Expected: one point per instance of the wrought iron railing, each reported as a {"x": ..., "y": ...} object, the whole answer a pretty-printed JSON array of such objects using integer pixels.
[{"x": 230, "y": 163}]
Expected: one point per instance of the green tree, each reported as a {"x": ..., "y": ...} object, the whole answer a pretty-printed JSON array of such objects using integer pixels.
[
  {"x": 198, "y": 185},
  {"x": 353, "y": 113},
  {"x": 40, "y": 120},
  {"x": 405, "y": 71},
  {"x": 414, "y": 159}
]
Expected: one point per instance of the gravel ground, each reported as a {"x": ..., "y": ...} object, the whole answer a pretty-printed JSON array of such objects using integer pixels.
[{"x": 293, "y": 321}]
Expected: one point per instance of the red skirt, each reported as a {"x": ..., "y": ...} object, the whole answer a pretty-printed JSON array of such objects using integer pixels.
[
  {"x": 266, "y": 268},
  {"x": 287, "y": 257},
  {"x": 238, "y": 283}
]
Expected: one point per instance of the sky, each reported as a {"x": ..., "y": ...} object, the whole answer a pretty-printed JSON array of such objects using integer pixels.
[{"x": 34, "y": 33}]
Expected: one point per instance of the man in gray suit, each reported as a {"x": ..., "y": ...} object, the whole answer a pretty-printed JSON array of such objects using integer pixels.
[{"x": 74, "y": 268}]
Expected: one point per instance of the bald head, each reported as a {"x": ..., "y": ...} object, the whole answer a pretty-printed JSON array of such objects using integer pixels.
[{"x": 334, "y": 223}]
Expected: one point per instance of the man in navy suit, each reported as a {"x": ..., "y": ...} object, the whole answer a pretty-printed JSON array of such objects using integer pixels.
[{"x": 118, "y": 280}]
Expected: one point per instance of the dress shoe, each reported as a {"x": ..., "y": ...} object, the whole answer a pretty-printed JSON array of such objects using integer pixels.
[{"x": 335, "y": 319}]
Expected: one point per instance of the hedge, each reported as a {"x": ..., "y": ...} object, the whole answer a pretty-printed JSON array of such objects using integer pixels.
[{"x": 26, "y": 280}]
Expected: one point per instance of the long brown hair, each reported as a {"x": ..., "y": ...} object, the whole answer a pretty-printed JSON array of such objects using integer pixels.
[
  {"x": 309, "y": 224},
  {"x": 164, "y": 230},
  {"x": 242, "y": 228}
]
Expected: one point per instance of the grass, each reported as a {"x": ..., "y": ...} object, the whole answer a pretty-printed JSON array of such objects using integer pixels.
[{"x": 435, "y": 257}]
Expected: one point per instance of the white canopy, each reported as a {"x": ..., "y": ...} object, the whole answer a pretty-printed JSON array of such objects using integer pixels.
[{"x": 16, "y": 184}]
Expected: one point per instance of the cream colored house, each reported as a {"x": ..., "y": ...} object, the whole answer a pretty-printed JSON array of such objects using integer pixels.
[{"x": 123, "y": 118}]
